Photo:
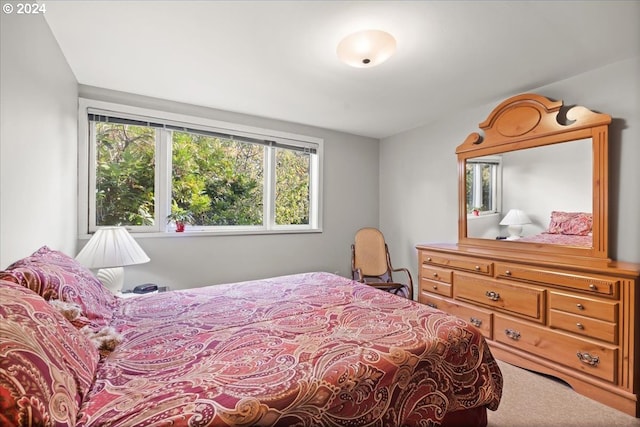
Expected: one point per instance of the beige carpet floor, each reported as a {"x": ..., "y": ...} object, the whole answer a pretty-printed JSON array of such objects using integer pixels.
[{"x": 534, "y": 400}]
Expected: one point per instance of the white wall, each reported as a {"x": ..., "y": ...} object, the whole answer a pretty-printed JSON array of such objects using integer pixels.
[
  {"x": 418, "y": 175},
  {"x": 38, "y": 141},
  {"x": 350, "y": 202}
]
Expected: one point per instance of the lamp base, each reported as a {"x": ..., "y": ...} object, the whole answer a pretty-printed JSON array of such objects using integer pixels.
[
  {"x": 112, "y": 278},
  {"x": 514, "y": 232}
]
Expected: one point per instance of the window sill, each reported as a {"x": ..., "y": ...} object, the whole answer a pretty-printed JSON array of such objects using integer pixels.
[
  {"x": 481, "y": 216},
  {"x": 203, "y": 233}
]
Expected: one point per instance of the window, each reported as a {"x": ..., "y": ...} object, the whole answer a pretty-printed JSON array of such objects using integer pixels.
[
  {"x": 124, "y": 174},
  {"x": 482, "y": 184},
  {"x": 220, "y": 181},
  {"x": 142, "y": 168}
]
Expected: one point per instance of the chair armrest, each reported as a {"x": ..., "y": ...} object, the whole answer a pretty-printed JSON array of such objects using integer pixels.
[{"x": 406, "y": 270}]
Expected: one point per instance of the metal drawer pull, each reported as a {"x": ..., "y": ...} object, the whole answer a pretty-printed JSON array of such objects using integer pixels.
[
  {"x": 475, "y": 322},
  {"x": 588, "y": 359},
  {"x": 580, "y": 306},
  {"x": 429, "y": 259},
  {"x": 493, "y": 296},
  {"x": 593, "y": 287},
  {"x": 579, "y": 325},
  {"x": 477, "y": 268},
  {"x": 435, "y": 286},
  {"x": 507, "y": 273},
  {"x": 514, "y": 335},
  {"x": 435, "y": 274},
  {"x": 432, "y": 305}
]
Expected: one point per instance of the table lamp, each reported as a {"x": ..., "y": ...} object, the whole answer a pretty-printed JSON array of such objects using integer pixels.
[
  {"x": 515, "y": 219},
  {"x": 109, "y": 249}
]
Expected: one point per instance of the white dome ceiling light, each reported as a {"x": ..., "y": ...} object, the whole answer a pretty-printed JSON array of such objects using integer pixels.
[{"x": 367, "y": 48}]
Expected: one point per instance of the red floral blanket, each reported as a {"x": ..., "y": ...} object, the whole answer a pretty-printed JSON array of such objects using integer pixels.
[{"x": 310, "y": 349}]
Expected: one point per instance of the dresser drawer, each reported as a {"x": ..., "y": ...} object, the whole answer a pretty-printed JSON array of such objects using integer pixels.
[
  {"x": 439, "y": 288},
  {"x": 582, "y": 325},
  {"x": 460, "y": 263},
  {"x": 584, "y": 306},
  {"x": 598, "y": 360},
  {"x": 436, "y": 273},
  {"x": 481, "y": 319},
  {"x": 512, "y": 298},
  {"x": 598, "y": 285}
]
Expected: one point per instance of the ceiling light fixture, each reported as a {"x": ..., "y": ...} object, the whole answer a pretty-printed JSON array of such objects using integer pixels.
[{"x": 366, "y": 48}]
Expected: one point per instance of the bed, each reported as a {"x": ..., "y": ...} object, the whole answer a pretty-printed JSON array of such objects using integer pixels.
[
  {"x": 310, "y": 349},
  {"x": 567, "y": 229},
  {"x": 560, "y": 239}
]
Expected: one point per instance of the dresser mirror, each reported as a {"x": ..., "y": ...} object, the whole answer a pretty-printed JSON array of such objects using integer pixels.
[{"x": 535, "y": 181}]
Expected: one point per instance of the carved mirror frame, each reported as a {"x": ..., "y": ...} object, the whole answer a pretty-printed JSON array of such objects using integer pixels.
[{"x": 528, "y": 121}]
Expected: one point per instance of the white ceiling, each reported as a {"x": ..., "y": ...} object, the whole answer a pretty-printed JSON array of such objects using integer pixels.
[{"x": 277, "y": 59}]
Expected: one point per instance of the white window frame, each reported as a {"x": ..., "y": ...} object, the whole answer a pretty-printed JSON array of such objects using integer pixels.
[
  {"x": 87, "y": 181},
  {"x": 496, "y": 183}
]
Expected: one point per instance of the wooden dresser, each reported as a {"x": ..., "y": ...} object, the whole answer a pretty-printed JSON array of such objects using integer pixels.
[
  {"x": 548, "y": 298},
  {"x": 574, "y": 322}
]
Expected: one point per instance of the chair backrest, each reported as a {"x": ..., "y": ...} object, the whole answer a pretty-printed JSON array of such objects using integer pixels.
[{"x": 370, "y": 253}]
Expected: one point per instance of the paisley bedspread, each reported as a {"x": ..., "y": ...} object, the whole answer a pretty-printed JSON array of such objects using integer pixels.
[
  {"x": 560, "y": 239},
  {"x": 311, "y": 349}
]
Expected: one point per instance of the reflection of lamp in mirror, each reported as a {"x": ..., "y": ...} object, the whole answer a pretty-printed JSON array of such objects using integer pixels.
[
  {"x": 515, "y": 219},
  {"x": 109, "y": 249}
]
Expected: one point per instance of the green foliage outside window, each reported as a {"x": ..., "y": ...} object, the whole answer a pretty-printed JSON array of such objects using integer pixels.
[
  {"x": 292, "y": 187},
  {"x": 481, "y": 200},
  {"x": 125, "y": 174},
  {"x": 217, "y": 181}
]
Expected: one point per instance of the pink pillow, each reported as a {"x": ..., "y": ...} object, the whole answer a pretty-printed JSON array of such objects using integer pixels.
[
  {"x": 46, "y": 365},
  {"x": 54, "y": 275},
  {"x": 573, "y": 223}
]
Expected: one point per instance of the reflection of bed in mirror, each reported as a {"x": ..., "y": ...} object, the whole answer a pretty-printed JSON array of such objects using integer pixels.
[
  {"x": 566, "y": 228},
  {"x": 559, "y": 239}
]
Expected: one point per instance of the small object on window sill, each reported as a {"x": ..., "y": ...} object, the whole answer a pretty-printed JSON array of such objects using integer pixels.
[{"x": 501, "y": 238}]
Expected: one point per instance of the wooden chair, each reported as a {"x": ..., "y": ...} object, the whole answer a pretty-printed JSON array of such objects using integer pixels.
[{"x": 371, "y": 263}]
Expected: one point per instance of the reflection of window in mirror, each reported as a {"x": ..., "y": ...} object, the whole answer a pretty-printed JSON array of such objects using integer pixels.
[{"x": 483, "y": 185}]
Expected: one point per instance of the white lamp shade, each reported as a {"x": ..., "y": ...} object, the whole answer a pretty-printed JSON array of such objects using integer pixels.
[
  {"x": 366, "y": 48},
  {"x": 111, "y": 247},
  {"x": 515, "y": 217}
]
